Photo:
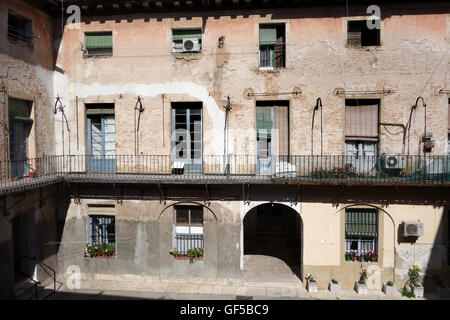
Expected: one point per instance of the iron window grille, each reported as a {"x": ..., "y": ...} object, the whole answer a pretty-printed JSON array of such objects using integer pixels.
[
  {"x": 102, "y": 229},
  {"x": 272, "y": 49},
  {"x": 188, "y": 228},
  {"x": 361, "y": 231}
]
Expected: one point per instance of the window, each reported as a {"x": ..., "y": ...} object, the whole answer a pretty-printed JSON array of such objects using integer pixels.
[
  {"x": 102, "y": 229},
  {"x": 101, "y": 137},
  {"x": 359, "y": 35},
  {"x": 98, "y": 43},
  {"x": 20, "y": 124},
  {"x": 187, "y": 143},
  {"x": 187, "y": 40},
  {"x": 188, "y": 228},
  {"x": 361, "y": 133},
  {"x": 272, "y": 52},
  {"x": 20, "y": 28},
  {"x": 361, "y": 231}
]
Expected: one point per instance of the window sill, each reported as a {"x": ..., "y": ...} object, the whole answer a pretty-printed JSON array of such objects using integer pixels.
[
  {"x": 22, "y": 43},
  {"x": 187, "y": 258},
  {"x": 371, "y": 262},
  {"x": 87, "y": 56},
  {"x": 91, "y": 257},
  {"x": 270, "y": 69},
  {"x": 187, "y": 55}
]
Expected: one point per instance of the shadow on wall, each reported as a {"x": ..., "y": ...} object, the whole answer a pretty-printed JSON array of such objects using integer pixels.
[
  {"x": 432, "y": 258},
  {"x": 274, "y": 230}
]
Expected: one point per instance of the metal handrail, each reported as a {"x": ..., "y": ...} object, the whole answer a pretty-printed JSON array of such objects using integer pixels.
[{"x": 44, "y": 266}]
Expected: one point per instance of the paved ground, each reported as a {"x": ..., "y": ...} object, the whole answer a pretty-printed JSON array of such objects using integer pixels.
[{"x": 273, "y": 281}]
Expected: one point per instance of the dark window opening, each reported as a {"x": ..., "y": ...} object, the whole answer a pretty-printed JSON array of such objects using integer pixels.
[
  {"x": 272, "y": 46},
  {"x": 359, "y": 35},
  {"x": 20, "y": 28}
]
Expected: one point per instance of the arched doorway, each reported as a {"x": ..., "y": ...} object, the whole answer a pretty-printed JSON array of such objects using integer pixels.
[{"x": 272, "y": 243}]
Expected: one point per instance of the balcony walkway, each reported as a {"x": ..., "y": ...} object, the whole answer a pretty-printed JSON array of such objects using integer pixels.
[{"x": 282, "y": 170}]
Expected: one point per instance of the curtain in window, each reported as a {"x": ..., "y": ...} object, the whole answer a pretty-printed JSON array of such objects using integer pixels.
[{"x": 361, "y": 120}]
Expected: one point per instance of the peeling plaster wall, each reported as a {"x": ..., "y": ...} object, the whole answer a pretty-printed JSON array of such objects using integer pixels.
[{"x": 318, "y": 61}]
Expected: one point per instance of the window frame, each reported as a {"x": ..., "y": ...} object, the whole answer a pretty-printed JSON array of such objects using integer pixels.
[
  {"x": 183, "y": 241},
  {"x": 176, "y": 50},
  {"x": 272, "y": 50},
  {"x": 28, "y": 34},
  {"x": 363, "y": 242},
  {"x": 99, "y": 54},
  {"x": 364, "y": 31},
  {"x": 104, "y": 225}
]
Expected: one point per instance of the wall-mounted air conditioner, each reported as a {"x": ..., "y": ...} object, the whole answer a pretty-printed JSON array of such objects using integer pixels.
[
  {"x": 191, "y": 45},
  {"x": 412, "y": 228},
  {"x": 392, "y": 161}
]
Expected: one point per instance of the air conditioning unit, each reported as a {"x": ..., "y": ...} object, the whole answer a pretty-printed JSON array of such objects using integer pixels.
[
  {"x": 412, "y": 228},
  {"x": 191, "y": 45},
  {"x": 392, "y": 161}
]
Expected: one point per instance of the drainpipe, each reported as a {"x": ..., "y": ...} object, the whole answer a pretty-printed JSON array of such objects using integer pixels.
[
  {"x": 225, "y": 135},
  {"x": 136, "y": 126}
]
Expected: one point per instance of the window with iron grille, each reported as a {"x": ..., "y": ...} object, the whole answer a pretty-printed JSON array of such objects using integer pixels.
[
  {"x": 188, "y": 228},
  {"x": 359, "y": 35},
  {"x": 102, "y": 229},
  {"x": 20, "y": 28},
  {"x": 361, "y": 233},
  {"x": 98, "y": 43},
  {"x": 272, "y": 53}
]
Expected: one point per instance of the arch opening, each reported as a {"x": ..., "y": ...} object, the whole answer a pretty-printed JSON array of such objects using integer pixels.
[{"x": 272, "y": 243}]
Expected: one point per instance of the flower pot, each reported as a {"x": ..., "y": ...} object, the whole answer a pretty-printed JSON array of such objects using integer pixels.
[
  {"x": 354, "y": 258},
  {"x": 32, "y": 174},
  {"x": 418, "y": 290},
  {"x": 373, "y": 259},
  {"x": 361, "y": 288},
  {"x": 334, "y": 287},
  {"x": 389, "y": 290},
  {"x": 312, "y": 286}
]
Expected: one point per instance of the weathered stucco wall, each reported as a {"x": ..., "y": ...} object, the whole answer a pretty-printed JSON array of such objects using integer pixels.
[{"x": 318, "y": 61}]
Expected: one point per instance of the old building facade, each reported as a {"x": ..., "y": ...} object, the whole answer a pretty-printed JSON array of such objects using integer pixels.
[{"x": 291, "y": 131}]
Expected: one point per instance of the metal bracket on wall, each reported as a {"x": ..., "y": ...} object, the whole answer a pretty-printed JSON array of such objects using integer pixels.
[
  {"x": 207, "y": 202},
  {"x": 297, "y": 196},
  {"x": 244, "y": 198},
  {"x": 162, "y": 194}
]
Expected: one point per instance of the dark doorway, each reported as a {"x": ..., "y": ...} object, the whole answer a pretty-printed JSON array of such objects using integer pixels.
[
  {"x": 274, "y": 230},
  {"x": 24, "y": 240}
]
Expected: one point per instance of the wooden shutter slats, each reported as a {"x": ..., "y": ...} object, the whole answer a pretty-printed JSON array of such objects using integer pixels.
[{"x": 361, "y": 122}]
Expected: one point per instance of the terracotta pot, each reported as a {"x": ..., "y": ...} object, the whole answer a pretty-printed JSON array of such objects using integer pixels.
[
  {"x": 373, "y": 259},
  {"x": 353, "y": 258}
]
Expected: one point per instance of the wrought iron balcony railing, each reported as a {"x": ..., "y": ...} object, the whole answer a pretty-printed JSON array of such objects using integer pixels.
[{"x": 398, "y": 169}]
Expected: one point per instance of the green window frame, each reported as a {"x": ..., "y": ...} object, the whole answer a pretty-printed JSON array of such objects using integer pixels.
[
  {"x": 361, "y": 233},
  {"x": 99, "y": 43}
]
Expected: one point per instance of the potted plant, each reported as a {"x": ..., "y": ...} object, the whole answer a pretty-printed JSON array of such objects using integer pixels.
[
  {"x": 311, "y": 284},
  {"x": 194, "y": 254},
  {"x": 353, "y": 255},
  {"x": 173, "y": 252},
  {"x": 389, "y": 289},
  {"x": 102, "y": 250},
  {"x": 361, "y": 286},
  {"x": 373, "y": 256},
  {"x": 348, "y": 256},
  {"x": 335, "y": 286},
  {"x": 413, "y": 285}
]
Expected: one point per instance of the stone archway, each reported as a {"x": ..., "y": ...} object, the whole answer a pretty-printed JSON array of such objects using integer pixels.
[{"x": 272, "y": 243}]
